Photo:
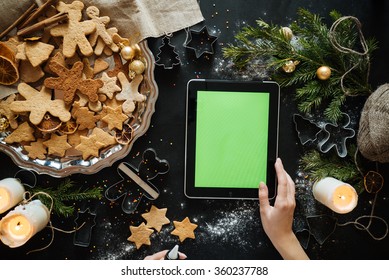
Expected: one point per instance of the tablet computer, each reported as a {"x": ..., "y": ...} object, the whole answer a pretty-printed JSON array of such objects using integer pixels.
[{"x": 231, "y": 138}]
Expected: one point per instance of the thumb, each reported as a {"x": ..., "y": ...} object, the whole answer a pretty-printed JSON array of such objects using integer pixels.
[{"x": 263, "y": 195}]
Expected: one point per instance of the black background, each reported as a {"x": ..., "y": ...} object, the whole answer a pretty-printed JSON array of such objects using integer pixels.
[{"x": 226, "y": 229}]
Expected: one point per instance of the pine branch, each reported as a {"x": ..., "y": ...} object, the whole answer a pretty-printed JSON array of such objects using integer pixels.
[
  {"x": 312, "y": 48},
  {"x": 66, "y": 192},
  {"x": 319, "y": 166}
]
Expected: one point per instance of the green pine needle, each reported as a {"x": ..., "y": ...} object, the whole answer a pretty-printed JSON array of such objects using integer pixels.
[
  {"x": 312, "y": 48},
  {"x": 66, "y": 192}
]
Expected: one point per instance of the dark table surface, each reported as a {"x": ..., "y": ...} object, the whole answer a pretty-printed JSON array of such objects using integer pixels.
[{"x": 227, "y": 229}]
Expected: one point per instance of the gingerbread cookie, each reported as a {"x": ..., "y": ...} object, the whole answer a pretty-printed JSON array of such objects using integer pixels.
[
  {"x": 84, "y": 118},
  {"x": 38, "y": 103},
  {"x": 74, "y": 31},
  {"x": 156, "y": 218},
  {"x": 184, "y": 229},
  {"x": 101, "y": 32},
  {"x": 24, "y": 132},
  {"x": 110, "y": 86},
  {"x": 6, "y": 111},
  {"x": 114, "y": 118},
  {"x": 36, "y": 149},
  {"x": 130, "y": 93},
  {"x": 103, "y": 137},
  {"x": 38, "y": 52},
  {"x": 89, "y": 146},
  {"x": 140, "y": 235},
  {"x": 57, "y": 145},
  {"x": 71, "y": 80}
]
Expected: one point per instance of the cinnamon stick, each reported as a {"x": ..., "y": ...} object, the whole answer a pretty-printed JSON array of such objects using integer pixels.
[
  {"x": 42, "y": 24},
  {"x": 37, "y": 13}
]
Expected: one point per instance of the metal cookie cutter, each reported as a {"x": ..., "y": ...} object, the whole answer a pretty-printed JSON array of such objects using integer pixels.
[
  {"x": 336, "y": 136},
  {"x": 136, "y": 182},
  {"x": 85, "y": 222},
  {"x": 307, "y": 130},
  {"x": 167, "y": 56},
  {"x": 200, "y": 41}
]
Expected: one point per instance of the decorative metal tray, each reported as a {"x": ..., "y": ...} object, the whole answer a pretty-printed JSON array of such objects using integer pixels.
[{"x": 62, "y": 167}]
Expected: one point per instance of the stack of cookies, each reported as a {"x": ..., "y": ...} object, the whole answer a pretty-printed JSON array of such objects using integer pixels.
[{"x": 79, "y": 87}]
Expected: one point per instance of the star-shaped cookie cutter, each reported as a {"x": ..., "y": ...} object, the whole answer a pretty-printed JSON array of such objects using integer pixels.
[
  {"x": 200, "y": 41},
  {"x": 167, "y": 56},
  {"x": 140, "y": 183}
]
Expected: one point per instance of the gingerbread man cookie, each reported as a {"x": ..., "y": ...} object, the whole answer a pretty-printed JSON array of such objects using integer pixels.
[
  {"x": 71, "y": 80},
  {"x": 38, "y": 103},
  {"x": 74, "y": 31},
  {"x": 101, "y": 32},
  {"x": 130, "y": 92}
]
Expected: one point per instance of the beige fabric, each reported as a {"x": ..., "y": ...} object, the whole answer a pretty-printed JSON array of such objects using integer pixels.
[
  {"x": 10, "y": 10},
  {"x": 138, "y": 19}
]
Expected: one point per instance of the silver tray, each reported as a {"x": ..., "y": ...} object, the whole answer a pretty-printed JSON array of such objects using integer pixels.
[{"x": 62, "y": 167}]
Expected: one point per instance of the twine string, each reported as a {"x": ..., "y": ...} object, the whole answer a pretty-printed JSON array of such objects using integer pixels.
[
  {"x": 27, "y": 197},
  {"x": 343, "y": 49}
]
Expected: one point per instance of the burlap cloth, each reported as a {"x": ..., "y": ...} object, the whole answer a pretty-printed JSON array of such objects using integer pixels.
[
  {"x": 138, "y": 19},
  {"x": 373, "y": 136}
]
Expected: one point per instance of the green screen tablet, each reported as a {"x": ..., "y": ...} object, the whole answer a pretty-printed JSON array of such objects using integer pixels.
[{"x": 231, "y": 138}]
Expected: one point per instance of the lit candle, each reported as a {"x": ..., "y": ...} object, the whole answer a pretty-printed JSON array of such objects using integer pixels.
[
  {"x": 20, "y": 224},
  {"x": 11, "y": 193},
  {"x": 340, "y": 197}
]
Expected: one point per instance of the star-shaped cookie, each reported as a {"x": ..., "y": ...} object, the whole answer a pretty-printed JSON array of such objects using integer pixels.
[
  {"x": 184, "y": 229},
  {"x": 140, "y": 235},
  {"x": 57, "y": 145},
  {"x": 130, "y": 92},
  {"x": 110, "y": 86},
  {"x": 156, "y": 218},
  {"x": 114, "y": 117},
  {"x": 89, "y": 146},
  {"x": 38, "y": 103}
]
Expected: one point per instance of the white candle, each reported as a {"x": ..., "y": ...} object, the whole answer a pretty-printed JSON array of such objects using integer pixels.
[
  {"x": 11, "y": 193},
  {"x": 20, "y": 224},
  {"x": 340, "y": 197}
]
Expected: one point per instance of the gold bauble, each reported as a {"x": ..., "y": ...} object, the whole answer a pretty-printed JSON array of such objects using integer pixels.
[
  {"x": 287, "y": 32},
  {"x": 127, "y": 53},
  {"x": 137, "y": 66},
  {"x": 289, "y": 66},
  {"x": 323, "y": 73},
  {"x": 4, "y": 124}
]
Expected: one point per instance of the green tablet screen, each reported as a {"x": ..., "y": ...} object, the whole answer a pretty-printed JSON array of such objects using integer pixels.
[{"x": 231, "y": 139}]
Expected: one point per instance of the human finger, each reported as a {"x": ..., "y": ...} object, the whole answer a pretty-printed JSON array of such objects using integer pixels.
[
  {"x": 263, "y": 196},
  {"x": 157, "y": 256},
  {"x": 282, "y": 179}
]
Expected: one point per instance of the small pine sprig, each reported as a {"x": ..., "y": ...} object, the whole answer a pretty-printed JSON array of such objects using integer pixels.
[
  {"x": 319, "y": 166},
  {"x": 66, "y": 192},
  {"x": 312, "y": 48}
]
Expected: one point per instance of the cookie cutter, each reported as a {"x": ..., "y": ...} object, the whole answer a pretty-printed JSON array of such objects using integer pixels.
[
  {"x": 167, "y": 56},
  {"x": 136, "y": 182},
  {"x": 200, "y": 41},
  {"x": 336, "y": 135},
  {"x": 85, "y": 221},
  {"x": 307, "y": 130},
  {"x": 26, "y": 177},
  {"x": 321, "y": 227}
]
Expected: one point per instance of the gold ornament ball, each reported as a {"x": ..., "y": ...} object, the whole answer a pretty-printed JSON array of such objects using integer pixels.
[
  {"x": 127, "y": 53},
  {"x": 3, "y": 123},
  {"x": 289, "y": 66},
  {"x": 287, "y": 32},
  {"x": 137, "y": 66},
  {"x": 323, "y": 73}
]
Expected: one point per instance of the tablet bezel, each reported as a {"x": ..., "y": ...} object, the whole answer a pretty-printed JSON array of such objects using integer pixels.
[{"x": 195, "y": 85}]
